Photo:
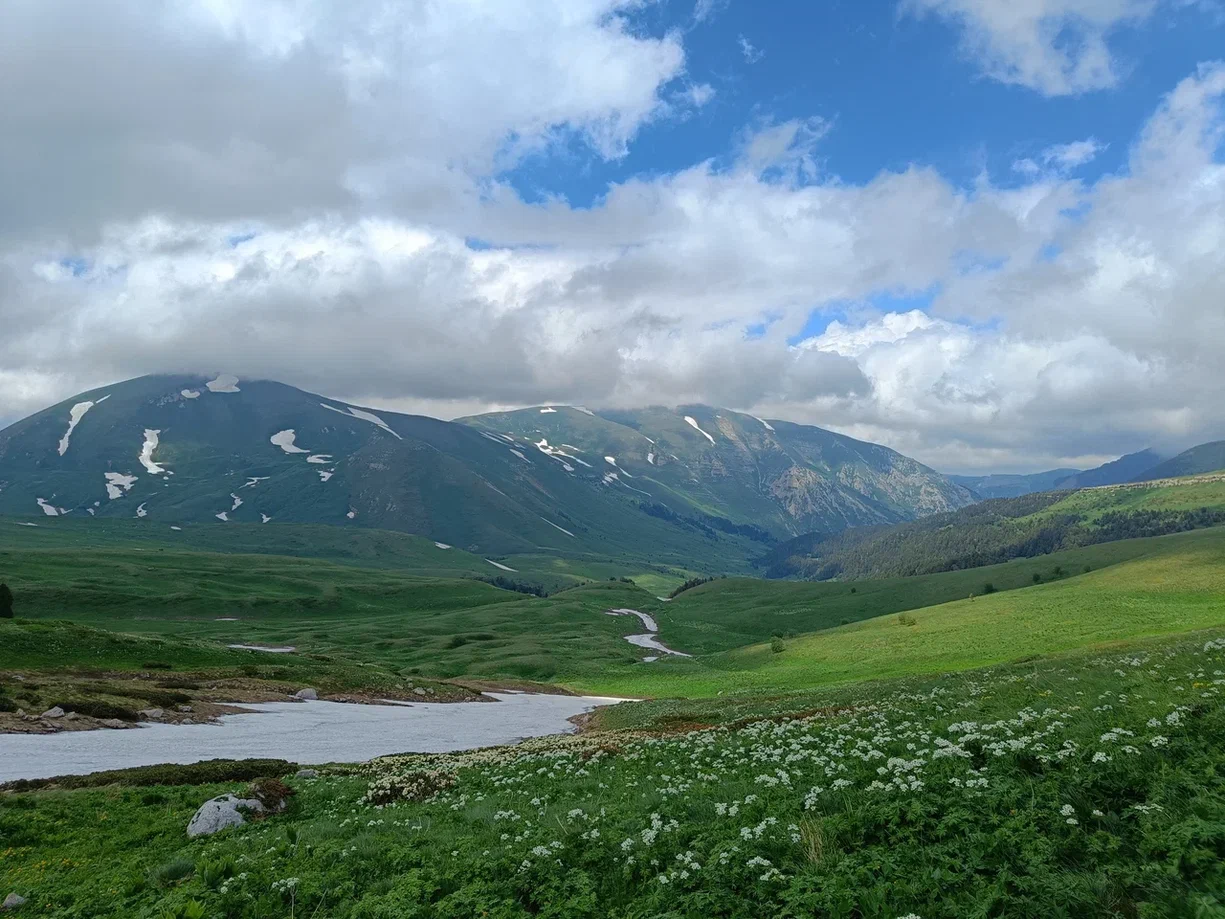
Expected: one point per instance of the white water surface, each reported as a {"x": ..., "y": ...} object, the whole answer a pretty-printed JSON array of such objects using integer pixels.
[{"x": 301, "y": 732}]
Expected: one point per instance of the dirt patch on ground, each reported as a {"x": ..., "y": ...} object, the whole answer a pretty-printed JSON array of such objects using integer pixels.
[{"x": 50, "y": 703}]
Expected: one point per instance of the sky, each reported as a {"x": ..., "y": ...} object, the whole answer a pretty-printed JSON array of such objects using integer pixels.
[{"x": 987, "y": 233}]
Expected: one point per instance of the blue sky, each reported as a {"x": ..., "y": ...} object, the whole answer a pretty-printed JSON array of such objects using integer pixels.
[
  {"x": 896, "y": 90},
  {"x": 986, "y": 233}
]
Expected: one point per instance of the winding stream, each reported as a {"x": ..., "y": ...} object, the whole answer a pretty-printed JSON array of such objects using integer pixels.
[{"x": 648, "y": 639}]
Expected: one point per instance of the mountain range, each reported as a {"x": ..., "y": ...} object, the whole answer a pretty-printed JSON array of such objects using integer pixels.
[{"x": 694, "y": 485}]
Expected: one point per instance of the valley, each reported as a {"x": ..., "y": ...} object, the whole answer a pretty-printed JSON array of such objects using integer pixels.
[{"x": 602, "y": 710}]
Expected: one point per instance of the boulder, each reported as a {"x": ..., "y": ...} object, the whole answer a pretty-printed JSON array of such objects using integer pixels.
[
  {"x": 113, "y": 723},
  {"x": 306, "y": 695},
  {"x": 56, "y": 712},
  {"x": 152, "y": 713},
  {"x": 13, "y": 901},
  {"x": 306, "y": 774},
  {"x": 226, "y": 811},
  {"x": 419, "y": 691},
  {"x": 185, "y": 708}
]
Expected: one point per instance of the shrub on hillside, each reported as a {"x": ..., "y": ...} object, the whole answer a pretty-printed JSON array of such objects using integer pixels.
[
  {"x": 204, "y": 773},
  {"x": 6, "y": 602},
  {"x": 422, "y": 785},
  {"x": 94, "y": 709}
]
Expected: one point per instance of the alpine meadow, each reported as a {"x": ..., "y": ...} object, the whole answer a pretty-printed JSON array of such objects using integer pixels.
[{"x": 612, "y": 459}]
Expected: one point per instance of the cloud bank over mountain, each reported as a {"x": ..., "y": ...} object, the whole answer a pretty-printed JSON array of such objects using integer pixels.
[{"x": 335, "y": 197}]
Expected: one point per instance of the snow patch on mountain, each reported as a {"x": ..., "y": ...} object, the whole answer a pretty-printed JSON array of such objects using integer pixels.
[
  {"x": 585, "y": 411},
  {"x": 768, "y": 426},
  {"x": 146, "y": 452},
  {"x": 75, "y": 414},
  {"x": 264, "y": 518},
  {"x": 222, "y": 516},
  {"x": 499, "y": 565},
  {"x": 442, "y": 545},
  {"x": 651, "y": 458},
  {"x": 519, "y": 454},
  {"x": 556, "y": 527},
  {"x": 693, "y": 424},
  {"x": 190, "y": 394},
  {"x": 141, "y": 512},
  {"x": 548, "y": 411},
  {"x": 254, "y": 480},
  {"x": 117, "y": 483},
  {"x": 611, "y": 460},
  {"x": 325, "y": 474},
  {"x": 364, "y": 416},
  {"x": 49, "y": 510},
  {"x": 319, "y": 459},
  {"x": 285, "y": 440},
  {"x": 237, "y": 502},
  {"x": 225, "y": 382}
]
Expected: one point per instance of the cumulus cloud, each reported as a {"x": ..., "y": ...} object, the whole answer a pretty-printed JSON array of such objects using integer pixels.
[
  {"x": 212, "y": 110},
  {"x": 1057, "y": 47},
  {"x": 305, "y": 213}
]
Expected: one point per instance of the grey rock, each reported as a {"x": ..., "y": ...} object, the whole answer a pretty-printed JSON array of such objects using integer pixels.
[
  {"x": 21, "y": 713},
  {"x": 152, "y": 713},
  {"x": 185, "y": 708},
  {"x": 226, "y": 811},
  {"x": 306, "y": 695},
  {"x": 56, "y": 712},
  {"x": 306, "y": 774},
  {"x": 112, "y": 723},
  {"x": 419, "y": 691},
  {"x": 13, "y": 901},
  {"x": 71, "y": 716}
]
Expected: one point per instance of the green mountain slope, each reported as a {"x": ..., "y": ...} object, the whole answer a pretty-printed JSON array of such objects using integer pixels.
[
  {"x": 713, "y": 466},
  {"x": 1003, "y": 529},
  {"x": 1196, "y": 461},
  {"x": 171, "y": 451},
  {"x": 1013, "y": 486},
  {"x": 1127, "y": 468}
]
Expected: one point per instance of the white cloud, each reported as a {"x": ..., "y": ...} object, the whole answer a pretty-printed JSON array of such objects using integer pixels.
[
  {"x": 706, "y": 10},
  {"x": 217, "y": 110},
  {"x": 1061, "y": 157},
  {"x": 699, "y": 94},
  {"x": 1071, "y": 318},
  {"x": 751, "y": 53},
  {"x": 1057, "y": 47}
]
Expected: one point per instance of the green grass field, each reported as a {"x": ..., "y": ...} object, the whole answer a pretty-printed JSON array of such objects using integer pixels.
[
  {"x": 1086, "y": 786},
  {"x": 455, "y": 628},
  {"x": 1169, "y": 584},
  {"x": 367, "y": 548}
]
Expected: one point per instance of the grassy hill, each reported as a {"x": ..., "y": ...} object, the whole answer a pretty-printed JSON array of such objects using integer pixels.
[
  {"x": 999, "y": 530},
  {"x": 1169, "y": 584}
]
